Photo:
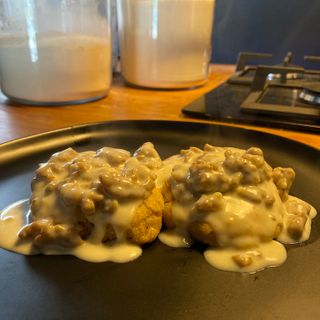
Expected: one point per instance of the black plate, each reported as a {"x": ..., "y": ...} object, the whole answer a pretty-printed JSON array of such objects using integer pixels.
[{"x": 164, "y": 283}]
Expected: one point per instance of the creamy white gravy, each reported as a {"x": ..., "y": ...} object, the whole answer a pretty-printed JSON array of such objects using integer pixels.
[
  {"x": 83, "y": 204},
  {"x": 14, "y": 217},
  {"x": 268, "y": 254},
  {"x": 244, "y": 221},
  {"x": 177, "y": 238},
  {"x": 285, "y": 238}
]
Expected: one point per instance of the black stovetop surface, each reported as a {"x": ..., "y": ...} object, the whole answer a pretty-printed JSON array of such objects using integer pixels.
[
  {"x": 250, "y": 96},
  {"x": 223, "y": 104}
]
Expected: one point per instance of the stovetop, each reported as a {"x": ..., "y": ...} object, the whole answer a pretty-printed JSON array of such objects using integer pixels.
[{"x": 283, "y": 96}]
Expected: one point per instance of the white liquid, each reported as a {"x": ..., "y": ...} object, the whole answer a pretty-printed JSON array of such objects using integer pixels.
[
  {"x": 13, "y": 218},
  {"x": 285, "y": 238},
  {"x": 55, "y": 67},
  {"x": 245, "y": 230},
  {"x": 166, "y": 43},
  {"x": 240, "y": 225},
  {"x": 175, "y": 239},
  {"x": 268, "y": 254}
]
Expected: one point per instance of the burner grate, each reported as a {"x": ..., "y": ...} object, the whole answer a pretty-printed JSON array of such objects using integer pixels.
[{"x": 270, "y": 95}]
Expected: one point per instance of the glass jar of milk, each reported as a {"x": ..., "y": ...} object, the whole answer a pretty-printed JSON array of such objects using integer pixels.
[
  {"x": 55, "y": 51},
  {"x": 165, "y": 43}
]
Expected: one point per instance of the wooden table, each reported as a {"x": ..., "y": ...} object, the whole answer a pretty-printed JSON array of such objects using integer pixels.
[{"x": 123, "y": 102}]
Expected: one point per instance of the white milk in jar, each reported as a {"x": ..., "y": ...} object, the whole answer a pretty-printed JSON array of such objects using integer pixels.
[
  {"x": 165, "y": 43},
  {"x": 55, "y": 67}
]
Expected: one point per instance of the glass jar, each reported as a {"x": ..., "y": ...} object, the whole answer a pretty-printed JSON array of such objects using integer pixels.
[
  {"x": 165, "y": 43},
  {"x": 55, "y": 51}
]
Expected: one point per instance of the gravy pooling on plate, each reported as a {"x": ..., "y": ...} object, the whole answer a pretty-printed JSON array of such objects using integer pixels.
[
  {"x": 97, "y": 206},
  {"x": 233, "y": 201},
  {"x": 104, "y": 205}
]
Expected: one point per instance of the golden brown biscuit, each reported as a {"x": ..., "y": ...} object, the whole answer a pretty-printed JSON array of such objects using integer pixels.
[
  {"x": 202, "y": 231},
  {"x": 90, "y": 196},
  {"x": 147, "y": 219}
]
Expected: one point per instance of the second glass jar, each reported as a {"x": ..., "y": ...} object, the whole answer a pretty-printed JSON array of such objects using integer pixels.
[{"x": 165, "y": 43}]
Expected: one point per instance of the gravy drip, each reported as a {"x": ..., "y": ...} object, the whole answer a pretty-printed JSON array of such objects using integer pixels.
[
  {"x": 13, "y": 218},
  {"x": 228, "y": 198},
  {"x": 232, "y": 200},
  {"x": 83, "y": 204}
]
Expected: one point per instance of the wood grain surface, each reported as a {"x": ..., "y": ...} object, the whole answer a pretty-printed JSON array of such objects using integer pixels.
[{"x": 122, "y": 103}]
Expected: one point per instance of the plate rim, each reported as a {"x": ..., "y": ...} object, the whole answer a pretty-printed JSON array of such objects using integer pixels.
[{"x": 179, "y": 122}]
